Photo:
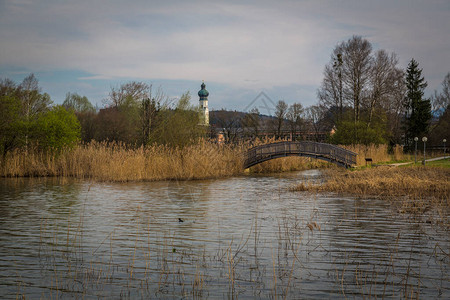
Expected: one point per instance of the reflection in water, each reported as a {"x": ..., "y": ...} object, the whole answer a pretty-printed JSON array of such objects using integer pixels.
[{"x": 243, "y": 237}]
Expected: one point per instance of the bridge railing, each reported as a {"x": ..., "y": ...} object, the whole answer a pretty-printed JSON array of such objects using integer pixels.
[{"x": 313, "y": 149}]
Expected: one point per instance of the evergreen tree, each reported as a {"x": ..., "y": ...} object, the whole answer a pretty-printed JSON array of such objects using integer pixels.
[{"x": 417, "y": 109}]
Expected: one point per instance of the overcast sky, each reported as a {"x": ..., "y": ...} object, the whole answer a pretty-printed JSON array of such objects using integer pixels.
[{"x": 239, "y": 48}]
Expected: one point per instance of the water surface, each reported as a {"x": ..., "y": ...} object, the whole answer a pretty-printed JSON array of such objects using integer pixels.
[{"x": 242, "y": 237}]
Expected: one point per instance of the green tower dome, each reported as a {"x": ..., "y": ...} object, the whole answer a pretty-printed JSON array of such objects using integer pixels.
[{"x": 203, "y": 93}]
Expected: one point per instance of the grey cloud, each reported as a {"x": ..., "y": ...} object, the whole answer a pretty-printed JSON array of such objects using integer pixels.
[{"x": 282, "y": 43}]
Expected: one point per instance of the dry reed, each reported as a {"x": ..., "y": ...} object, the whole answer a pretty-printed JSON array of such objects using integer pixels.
[
  {"x": 118, "y": 162},
  {"x": 417, "y": 182},
  {"x": 378, "y": 153},
  {"x": 411, "y": 189},
  {"x": 288, "y": 164}
]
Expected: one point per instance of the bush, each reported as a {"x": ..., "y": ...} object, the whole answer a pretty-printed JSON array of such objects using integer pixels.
[
  {"x": 57, "y": 129},
  {"x": 350, "y": 133}
]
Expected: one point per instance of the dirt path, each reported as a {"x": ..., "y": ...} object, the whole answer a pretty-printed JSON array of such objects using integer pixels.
[{"x": 411, "y": 162}]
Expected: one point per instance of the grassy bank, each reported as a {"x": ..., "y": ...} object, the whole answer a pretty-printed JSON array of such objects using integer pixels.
[
  {"x": 437, "y": 163},
  {"x": 415, "y": 182},
  {"x": 413, "y": 189}
]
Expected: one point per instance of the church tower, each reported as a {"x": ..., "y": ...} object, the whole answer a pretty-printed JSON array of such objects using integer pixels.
[{"x": 203, "y": 94}]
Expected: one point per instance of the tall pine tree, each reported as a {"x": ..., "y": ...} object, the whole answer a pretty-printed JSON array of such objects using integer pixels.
[{"x": 417, "y": 109}]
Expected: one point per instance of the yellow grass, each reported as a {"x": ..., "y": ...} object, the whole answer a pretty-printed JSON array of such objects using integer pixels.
[
  {"x": 412, "y": 189},
  {"x": 378, "y": 153},
  {"x": 117, "y": 162},
  {"x": 287, "y": 164},
  {"x": 417, "y": 182}
]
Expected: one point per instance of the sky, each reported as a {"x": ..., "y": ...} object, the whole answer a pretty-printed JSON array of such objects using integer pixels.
[{"x": 239, "y": 48}]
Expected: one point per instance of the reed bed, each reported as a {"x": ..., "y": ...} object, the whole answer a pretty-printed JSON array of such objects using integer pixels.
[
  {"x": 288, "y": 164},
  {"x": 412, "y": 189},
  {"x": 415, "y": 182},
  {"x": 378, "y": 153},
  {"x": 118, "y": 162}
]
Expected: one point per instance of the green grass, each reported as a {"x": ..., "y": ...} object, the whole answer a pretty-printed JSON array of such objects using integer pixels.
[
  {"x": 382, "y": 163},
  {"x": 438, "y": 163}
]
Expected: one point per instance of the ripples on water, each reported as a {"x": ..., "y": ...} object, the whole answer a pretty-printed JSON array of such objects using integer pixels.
[{"x": 243, "y": 237}]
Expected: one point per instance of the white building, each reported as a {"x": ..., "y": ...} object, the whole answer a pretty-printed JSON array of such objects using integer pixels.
[{"x": 203, "y": 94}]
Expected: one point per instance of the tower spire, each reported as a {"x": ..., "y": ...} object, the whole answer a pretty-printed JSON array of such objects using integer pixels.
[{"x": 203, "y": 94}]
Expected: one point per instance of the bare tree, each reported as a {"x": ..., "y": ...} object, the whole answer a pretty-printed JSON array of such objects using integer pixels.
[
  {"x": 346, "y": 76},
  {"x": 32, "y": 100},
  {"x": 384, "y": 80},
  {"x": 315, "y": 116},
  {"x": 179, "y": 126},
  {"x": 280, "y": 116},
  {"x": 441, "y": 106},
  {"x": 137, "y": 107},
  {"x": 356, "y": 70},
  {"x": 393, "y": 105},
  {"x": 227, "y": 121},
  {"x": 112, "y": 125},
  {"x": 129, "y": 93},
  {"x": 251, "y": 122},
  {"x": 295, "y": 117},
  {"x": 371, "y": 84},
  {"x": 330, "y": 93},
  {"x": 78, "y": 103},
  {"x": 7, "y": 87},
  {"x": 149, "y": 110},
  {"x": 441, "y": 100}
]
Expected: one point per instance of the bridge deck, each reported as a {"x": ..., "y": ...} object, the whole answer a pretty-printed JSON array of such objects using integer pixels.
[{"x": 328, "y": 152}]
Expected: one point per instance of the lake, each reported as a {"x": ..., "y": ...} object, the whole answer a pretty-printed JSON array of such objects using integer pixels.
[{"x": 235, "y": 238}]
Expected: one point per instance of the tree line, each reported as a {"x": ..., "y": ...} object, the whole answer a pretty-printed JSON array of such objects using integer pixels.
[
  {"x": 365, "y": 97},
  {"x": 252, "y": 124},
  {"x": 369, "y": 98},
  {"x": 28, "y": 119},
  {"x": 134, "y": 114},
  {"x": 138, "y": 115}
]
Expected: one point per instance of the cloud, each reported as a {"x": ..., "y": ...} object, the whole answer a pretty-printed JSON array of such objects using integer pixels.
[
  {"x": 95, "y": 77},
  {"x": 227, "y": 43},
  {"x": 244, "y": 45}
]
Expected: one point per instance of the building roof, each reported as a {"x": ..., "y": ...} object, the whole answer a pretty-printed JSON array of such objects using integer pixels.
[{"x": 203, "y": 92}]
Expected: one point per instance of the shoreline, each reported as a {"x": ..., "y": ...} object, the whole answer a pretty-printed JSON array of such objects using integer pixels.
[
  {"x": 414, "y": 189},
  {"x": 119, "y": 163}
]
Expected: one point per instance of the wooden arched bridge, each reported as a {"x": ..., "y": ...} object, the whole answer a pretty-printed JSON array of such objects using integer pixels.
[{"x": 328, "y": 152}]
